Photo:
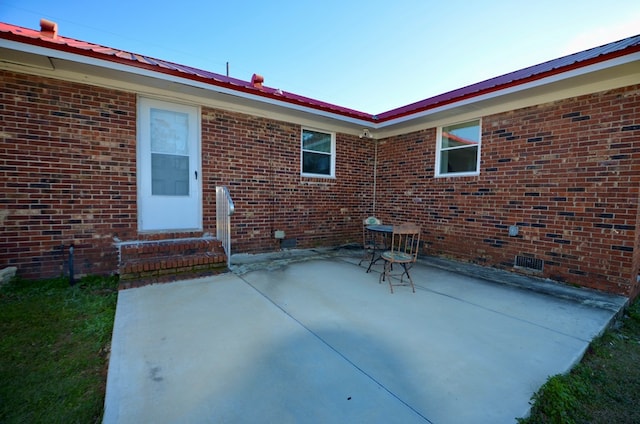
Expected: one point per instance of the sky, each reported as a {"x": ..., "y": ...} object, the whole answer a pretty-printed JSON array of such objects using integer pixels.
[{"x": 371, "y": 56}]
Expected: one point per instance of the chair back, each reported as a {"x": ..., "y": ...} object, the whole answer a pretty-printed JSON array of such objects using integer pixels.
[
  {"x": 372, "y": 220},
  {"x": 405, "y": 242}
]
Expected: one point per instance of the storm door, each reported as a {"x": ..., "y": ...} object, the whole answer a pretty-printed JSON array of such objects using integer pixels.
[{"x": 169, "y": 175}]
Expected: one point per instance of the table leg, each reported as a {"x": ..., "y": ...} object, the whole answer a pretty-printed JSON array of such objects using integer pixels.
[{"x": 382, "y": 245}]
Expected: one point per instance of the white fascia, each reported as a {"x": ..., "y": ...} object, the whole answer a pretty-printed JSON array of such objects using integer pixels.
[
  {"x": 519, "y": 87},
  {"x": 103, "y": 63}
]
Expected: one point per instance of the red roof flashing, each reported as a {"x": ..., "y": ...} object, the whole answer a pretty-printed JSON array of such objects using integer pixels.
[
  {"x": 49, "y": 38},
  {"x": 522, "y": 76},
  {"x": 70, "y": 45}
]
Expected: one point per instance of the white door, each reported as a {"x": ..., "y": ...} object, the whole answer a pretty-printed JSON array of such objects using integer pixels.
[{"x": 168, "y": 166}]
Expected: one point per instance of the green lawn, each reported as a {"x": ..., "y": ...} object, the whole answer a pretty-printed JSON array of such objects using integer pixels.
[
  {"x": 604, "y": 387},
  {"x": 54, "y": 349}
]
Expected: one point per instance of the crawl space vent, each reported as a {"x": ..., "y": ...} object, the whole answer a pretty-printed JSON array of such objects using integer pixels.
[{"x": 527, "y": 262}]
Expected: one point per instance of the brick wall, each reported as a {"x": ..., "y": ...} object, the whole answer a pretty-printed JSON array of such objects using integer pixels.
[
  {"x": 259, "y": 160},
  {"x": 566, "y": 173},
  {"x": 66, "y": 174}
]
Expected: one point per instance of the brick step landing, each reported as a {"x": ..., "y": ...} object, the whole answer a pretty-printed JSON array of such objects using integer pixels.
[{"x": 159, "y": 261}]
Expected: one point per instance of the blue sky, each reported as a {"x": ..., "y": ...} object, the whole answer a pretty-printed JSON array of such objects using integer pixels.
[{"x": 371, "y": 55}]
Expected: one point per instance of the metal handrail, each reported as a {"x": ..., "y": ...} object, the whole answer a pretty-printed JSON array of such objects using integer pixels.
[
  {"x": 224, "y": 209},
  {"x": 232, "y": 207}
]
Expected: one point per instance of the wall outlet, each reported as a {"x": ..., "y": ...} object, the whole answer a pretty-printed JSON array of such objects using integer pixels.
[{"x": 279, "y": 234}]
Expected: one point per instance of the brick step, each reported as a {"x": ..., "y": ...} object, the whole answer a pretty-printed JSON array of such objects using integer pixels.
[
  {"x": 169, "y": 248},
  {"x": 149, "y": 262}
]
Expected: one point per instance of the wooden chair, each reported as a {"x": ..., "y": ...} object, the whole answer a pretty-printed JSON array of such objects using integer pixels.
[
  {"x": 405, "y": 244},
  {"x": 370, "y": 241}
]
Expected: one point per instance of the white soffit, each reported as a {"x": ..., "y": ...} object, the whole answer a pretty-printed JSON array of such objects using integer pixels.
[
  {"x": 83, "y": 69},
  {"x": 43, "y": 61},
  {"x": 611, "y": 74}
]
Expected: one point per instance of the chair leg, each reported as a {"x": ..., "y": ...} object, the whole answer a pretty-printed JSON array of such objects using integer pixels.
[
  {"x": 406, "y": 271},
  {"x": 373, "y": 257},
  {"x": 384, "y": 275}
]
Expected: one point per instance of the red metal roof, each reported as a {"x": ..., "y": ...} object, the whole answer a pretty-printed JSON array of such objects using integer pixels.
[
  {"x": 522, "y": 76},
  {"x": 70, "y": 45},
  {"x": 532, "y": 73}
]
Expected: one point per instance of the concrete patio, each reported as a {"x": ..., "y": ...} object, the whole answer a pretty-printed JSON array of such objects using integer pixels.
[{"x": 315, "y": 339}]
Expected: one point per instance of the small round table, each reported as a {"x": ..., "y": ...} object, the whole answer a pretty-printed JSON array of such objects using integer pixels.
[{"x": 382, "y": 229}]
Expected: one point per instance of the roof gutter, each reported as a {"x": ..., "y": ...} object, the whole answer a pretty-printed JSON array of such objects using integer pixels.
[
  {"x": 503, "y": 90},
  {"x": 124, "y": 65},
  {"x": 259, "y": 94}
]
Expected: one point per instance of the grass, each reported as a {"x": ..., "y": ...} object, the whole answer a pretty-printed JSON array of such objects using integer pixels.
[
  {"x": 54, "y": 349},
  {"x": 603, "y": 388}
]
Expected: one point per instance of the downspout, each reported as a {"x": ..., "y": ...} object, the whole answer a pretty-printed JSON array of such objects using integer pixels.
[
  {"x": 375, "y": 174},
  {"x": 366, "y": 134}
]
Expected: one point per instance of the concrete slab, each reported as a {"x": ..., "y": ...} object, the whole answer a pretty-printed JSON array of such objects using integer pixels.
[{"x": 321, "y": 341}]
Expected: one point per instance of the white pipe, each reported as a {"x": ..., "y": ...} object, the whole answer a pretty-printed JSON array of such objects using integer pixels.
[{"x": 375, "y": 175}]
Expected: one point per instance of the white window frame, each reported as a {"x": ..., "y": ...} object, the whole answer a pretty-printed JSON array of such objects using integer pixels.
[
  {"x": 440, "y": 150},
  {"x": 332, "y": 153}
]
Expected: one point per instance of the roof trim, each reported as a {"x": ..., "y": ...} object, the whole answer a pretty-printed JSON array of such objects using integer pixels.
[
  {"x": 537, "y": 74},
  {"x": 159, "y": 66},
  {"x": 507, "y": 89},
  {"x": 566, "y": 64},
  {"x": 126, "y": 67}
]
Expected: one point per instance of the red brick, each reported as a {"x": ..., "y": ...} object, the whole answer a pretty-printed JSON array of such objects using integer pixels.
[{"x": 68, "y": 175}]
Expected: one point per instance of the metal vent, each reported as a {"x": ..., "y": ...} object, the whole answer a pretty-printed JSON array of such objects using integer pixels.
[{"x": 528, "y": 262}]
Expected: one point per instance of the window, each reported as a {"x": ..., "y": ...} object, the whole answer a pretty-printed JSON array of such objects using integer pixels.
[
  {"x": 459, "y": 149},
  {"x": 318, "y": 153},
  {"x": 169, "y": 131}
]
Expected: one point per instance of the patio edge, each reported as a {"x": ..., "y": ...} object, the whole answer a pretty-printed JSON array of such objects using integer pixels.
[{"x": 585, "y": 296}]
